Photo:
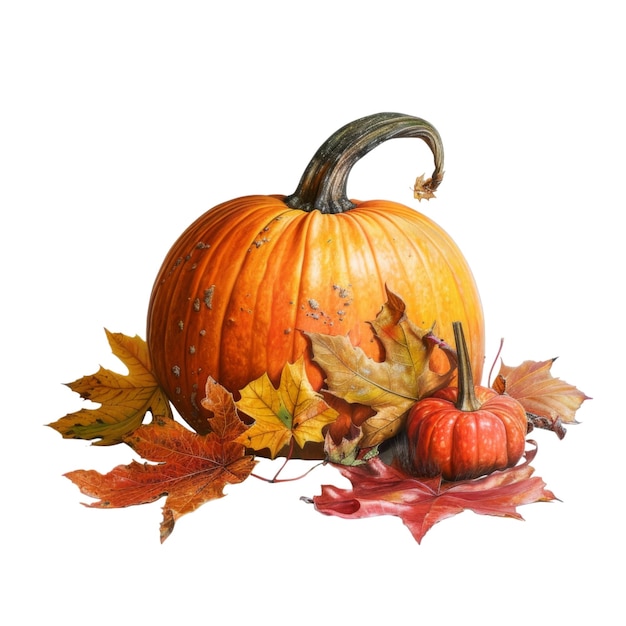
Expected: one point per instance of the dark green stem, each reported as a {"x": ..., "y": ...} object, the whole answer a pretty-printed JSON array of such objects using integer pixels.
[{"x": 323, "y": 185}]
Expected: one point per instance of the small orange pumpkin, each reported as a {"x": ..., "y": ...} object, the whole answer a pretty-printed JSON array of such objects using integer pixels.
[
  {"x": 242, "y": 283},
  {"x": 468, "y": 431}
]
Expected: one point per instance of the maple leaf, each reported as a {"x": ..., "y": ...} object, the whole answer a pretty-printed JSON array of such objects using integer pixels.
[
  {"x": 188, "y": 468},
  {"x": 124, "y": 399},
  {"x": 549, "y": 402},
  {"x": 389, "y": 387},
  {"x": 379, "y": 489},
  {"x": 348, "y": 451},
  {"x": 293, "y": 411}
]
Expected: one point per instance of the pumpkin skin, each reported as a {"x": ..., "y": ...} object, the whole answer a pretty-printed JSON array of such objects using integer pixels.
[
  {"x": 466, "y": 444},
  {"x": 466, "y": 431},
  {"x": 242, "y": 284}
]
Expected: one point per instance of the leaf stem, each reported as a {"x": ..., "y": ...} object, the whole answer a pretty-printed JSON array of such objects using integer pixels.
[
  {"x": 288, "y": 458},
  {"x": 493, "y": 366},
  {"x": 288, "y": 480}
]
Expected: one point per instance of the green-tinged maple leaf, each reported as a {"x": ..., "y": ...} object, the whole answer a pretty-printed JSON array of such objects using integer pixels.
[
  {"x": 188, "y": 468},
  {"x": 390, "y": 387},
  {"x": 379, "y": 489},
  {"x": 549, "y": 402},
  {"x": 124, "y": 399},
  {"x": 348, "y": 450},
  {"x": 294, "y": 410}
]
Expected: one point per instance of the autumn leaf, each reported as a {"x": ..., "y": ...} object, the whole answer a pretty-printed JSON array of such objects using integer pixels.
[
  {"x": 379, "y": 489},
  {"x": 124, "y": 399},
  {"x": 424, "y": 189},
  {"x": 188, "y": 468},
  {"x": 549, "y": 402},
  {"x": 390, "y": 387},
  {"x": 348, "y": 451},
  {"x": 294, "y": 410}
]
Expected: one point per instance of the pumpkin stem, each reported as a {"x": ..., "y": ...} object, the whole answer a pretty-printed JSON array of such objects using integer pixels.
[
  {"x": 466, "y": 398},
  {"x": 323, "y": 185}
]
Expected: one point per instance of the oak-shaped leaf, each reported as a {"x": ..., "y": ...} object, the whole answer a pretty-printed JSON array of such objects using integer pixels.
[
  {"x": 549, "y": 402},
  {"x": 389, "y": 387},
  {"x": 380, "y": 489},
  {"x": 293, "y": 411},
  {"x": 124, "y": 398},
  {"x": 187, "y": 468}
]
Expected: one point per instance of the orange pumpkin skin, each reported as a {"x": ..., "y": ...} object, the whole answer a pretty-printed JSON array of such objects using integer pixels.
[
  {"x": 241, "y": 286},
  {"x": 461, "y": 445}
]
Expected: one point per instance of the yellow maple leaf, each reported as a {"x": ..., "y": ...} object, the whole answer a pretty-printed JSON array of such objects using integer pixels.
[
  {"x": 390, "y": 387},
  {"x": 294, "y": 410},
  {"x": 124, "y": 399}
]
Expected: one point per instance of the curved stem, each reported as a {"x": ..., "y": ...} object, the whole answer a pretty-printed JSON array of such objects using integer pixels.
[
  {"x": 466, "y": 398},
  {"x": 288, "y": 457},
  {"x": 493, "y": 365},
  {"x": 323, "y": 185}
]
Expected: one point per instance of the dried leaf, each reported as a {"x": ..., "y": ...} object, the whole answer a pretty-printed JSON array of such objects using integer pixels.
[
  {"x": 548, "y": 401},
  {"x": 124, "y": 399},
  {"x": 390, "y": 387},
  {"x": 423, "y": 189},
  {"x": 188, "y": 468},
  {"x": 294, "y": 410},
  {"x": 348, "y": 451},
  {"x": 379, "y": 489}
]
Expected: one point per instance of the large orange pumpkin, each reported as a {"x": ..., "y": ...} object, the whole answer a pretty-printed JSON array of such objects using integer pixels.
[{"x": 242, "y": 283}]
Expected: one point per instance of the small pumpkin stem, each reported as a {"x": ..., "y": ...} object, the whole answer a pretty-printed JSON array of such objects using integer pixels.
[
  {"x": 466, "y": 398},
  {"x": 323, "y": 185}
]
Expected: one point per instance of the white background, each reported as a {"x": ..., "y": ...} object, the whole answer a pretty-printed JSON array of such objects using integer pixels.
[{"x": 121, "y": 122}]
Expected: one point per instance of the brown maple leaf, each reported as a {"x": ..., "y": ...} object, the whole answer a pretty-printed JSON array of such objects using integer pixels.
[
  {"x": 549, "y": 402},
  {"x": 188, "y": 468},
  {"x": 124, "y": 399},
  {"x": 389, "y": 387},
  {"x": 293, "y": 411},
  {"x": 379, "y": 489}
]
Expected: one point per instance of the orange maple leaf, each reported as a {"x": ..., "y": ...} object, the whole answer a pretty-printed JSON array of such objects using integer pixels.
[
  {"x": 188, "y": 468},
  {"x": 389, "y": 387},
  {"x": 549, "y": 402},
  {"x": 293, "y": 411},
  {"x": 124, "y": 399}
]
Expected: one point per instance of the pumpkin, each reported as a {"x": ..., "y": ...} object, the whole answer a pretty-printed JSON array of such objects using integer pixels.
[
  {"x": 244, "y": 282},
  {"x": 466, "y": 431}
]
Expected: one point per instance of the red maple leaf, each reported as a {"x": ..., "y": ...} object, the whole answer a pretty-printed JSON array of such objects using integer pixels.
[
  {"x": 379, "y": 489},
  {"x": 188, "y": 468}
]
